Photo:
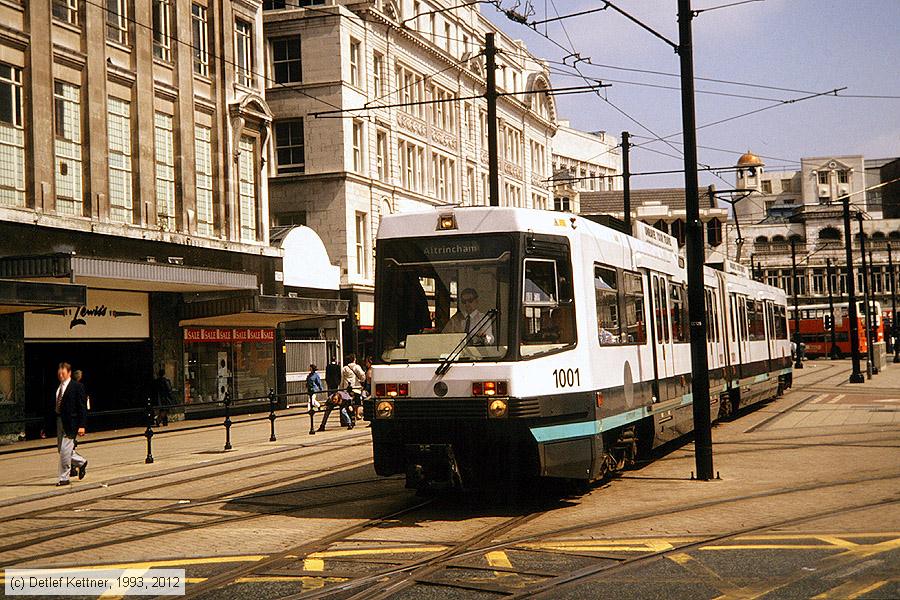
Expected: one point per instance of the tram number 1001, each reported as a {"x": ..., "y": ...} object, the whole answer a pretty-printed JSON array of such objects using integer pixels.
[{"x": 566, "y": 377}]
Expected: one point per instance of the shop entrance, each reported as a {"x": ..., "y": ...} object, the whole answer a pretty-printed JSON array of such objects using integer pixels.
[{"x": 117, "y": 375}]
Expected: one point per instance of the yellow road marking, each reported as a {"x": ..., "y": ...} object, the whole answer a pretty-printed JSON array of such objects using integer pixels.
[
  {"x": 850, "y": 590},
  {"x": 707, "y": 575},
  {"x": 769, "y": 547},
  {"x": 313, "y": 564},
  {"x": 836, "y": 541},
  {"x": 819, "y": 399},
  {"x": 498, "y": 558}
]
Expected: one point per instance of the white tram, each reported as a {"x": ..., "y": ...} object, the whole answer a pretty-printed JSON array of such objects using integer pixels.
[{"x": 515, "y": 343}]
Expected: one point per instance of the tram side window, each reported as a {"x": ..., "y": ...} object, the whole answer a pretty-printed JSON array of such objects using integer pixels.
[
  {"x": 607, "y": 295},
  {"x": 680, "y": 325},
  {"x": 756, "y": 321},
  {"x": 635, "y": 328},
  {"x": 781, "y": 323},
  {"x": 548, "y": 306}
]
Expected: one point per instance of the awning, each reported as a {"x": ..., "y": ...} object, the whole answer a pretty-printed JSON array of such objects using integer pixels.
[
  {"x": 260, "y": 311},
  {"x": 25, "y": 296},
  {"x": 126, "y": 275}
]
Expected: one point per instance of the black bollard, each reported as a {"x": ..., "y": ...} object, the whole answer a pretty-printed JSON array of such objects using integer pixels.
[
  {"x": 148, "y": 433},
  {"x": 228, "y": 420},
  {"x": 272, "y": 437}
]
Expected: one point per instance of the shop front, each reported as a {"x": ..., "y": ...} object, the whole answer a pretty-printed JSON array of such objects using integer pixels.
[
  {"x": 220, "y": 360},
  {"x": 107, "y": 338}
]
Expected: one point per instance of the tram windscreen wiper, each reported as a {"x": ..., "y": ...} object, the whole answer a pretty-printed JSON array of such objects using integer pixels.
[{"x": 483, "y": 322}]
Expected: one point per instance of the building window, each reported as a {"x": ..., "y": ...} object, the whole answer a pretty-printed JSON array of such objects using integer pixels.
[
  {"x": 165, "y": 172},
  {"x": 247, "y": 171},
  {"x": 203, "y": 170},
  {"x": 66, "y": 11},
  {"x": 823, "y": 177},
  {"x": 786, "y": 185},
  {"x": 12, "y": 138},
  {"x": 538, "y": 159},
  {"x": 289, "y": 152},
  {"x": 470, "y": 182},
  {"x": 412, "y": 165},
  {"x": 766, "y": 187},
  {"x": 714, "y": 232},
  {"x": 162, "y": 29},
  {"x": 200, "y": 33},
  {"x": 843, "y": 177},
  {"x": 412, "y": 91},
  {"x": 117, "y": 21},
  {"x": 355, "y": 52},
  {"x": 512, "y": 145},
  {"x": 562, "y": 204},
  {"x": 443, "y": 114},
  {"x": 243, "y": 50},
  {"x": 442, "y": 176},
  {"x": 382, "y": 159},
  {"x": 118, "y": 120},
  {"x": 67, "y": 105},
  {"x": 286, "y": 60},
  {"x": 378, "y": 74},
  {"x": 513, "y": 194},
  {"x": 357, "y": 146},
  {"x": 361, "y": 245}
]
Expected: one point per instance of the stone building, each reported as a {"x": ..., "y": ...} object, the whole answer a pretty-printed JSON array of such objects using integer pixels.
[
  {"x": 134, "y": 217},
  {"x": 664, "y": 209},
  {"x": 806, "y": 206},
  {"x": 339, "y": 172},
  {"x": 583, "y": 162}
]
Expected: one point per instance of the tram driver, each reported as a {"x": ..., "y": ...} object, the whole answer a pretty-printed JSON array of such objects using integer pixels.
[{"x": 468, "y": 316}]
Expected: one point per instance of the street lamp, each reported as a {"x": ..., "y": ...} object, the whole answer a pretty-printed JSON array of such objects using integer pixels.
[
  {"x": 798, "y": 364},
  {"x": 893, "y": 306},
  {"x": 834, "y": 349},
  {"x": 856, "y": 375},
  {"x": 868, "y": 307}
]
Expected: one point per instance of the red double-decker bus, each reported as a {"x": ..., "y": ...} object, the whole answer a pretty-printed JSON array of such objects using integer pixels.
[{"x": 815, "y": 328}]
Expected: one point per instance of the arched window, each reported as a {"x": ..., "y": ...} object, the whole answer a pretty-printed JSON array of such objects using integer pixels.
[
  {"x": 894, "y": 235},
  {"x": 796, "y": 238},
  {"x": 778, "y": 239},
  {"x": 878, "y": 236},
  {"x": 829, "y": 233},
  {"x": 662, "y": 226},
  {"x": 762, "y": 240},
  {"x": 714, "y": 232},
  {"x": 678, "y": 231}
]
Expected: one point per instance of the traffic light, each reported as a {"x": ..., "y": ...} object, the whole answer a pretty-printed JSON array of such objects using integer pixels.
[{"x": 829, "y": 322}]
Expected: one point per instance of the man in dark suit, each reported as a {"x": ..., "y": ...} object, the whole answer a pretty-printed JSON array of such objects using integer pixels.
[{"x": 71, "y": 417}]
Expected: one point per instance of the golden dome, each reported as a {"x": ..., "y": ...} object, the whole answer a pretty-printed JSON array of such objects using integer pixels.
[{"x": 748, "y": 159}]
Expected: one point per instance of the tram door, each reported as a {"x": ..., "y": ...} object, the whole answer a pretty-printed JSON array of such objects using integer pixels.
[
  {"x": 770, "y": 330},
  {"x": 665, "y": 359}
]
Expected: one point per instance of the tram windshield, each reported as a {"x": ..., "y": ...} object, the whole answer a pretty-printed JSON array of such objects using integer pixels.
[{"x": 433, "y": 292}]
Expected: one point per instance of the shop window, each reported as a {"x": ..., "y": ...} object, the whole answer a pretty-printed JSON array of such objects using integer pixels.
[{"x": 240, "y": 362}]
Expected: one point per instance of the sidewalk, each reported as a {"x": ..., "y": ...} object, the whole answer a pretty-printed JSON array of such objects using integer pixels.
[{"x": 29, "y": 472}]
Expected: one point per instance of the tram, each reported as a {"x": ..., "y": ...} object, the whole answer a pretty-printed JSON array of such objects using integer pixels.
[{"x": 514, "y": 343}]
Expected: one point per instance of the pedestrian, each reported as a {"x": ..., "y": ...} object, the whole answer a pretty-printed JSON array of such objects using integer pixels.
[
  {"x": 367, "y": 365},
  {"x": 162, "y": 392},
  {"x": 339, "y": 400},
  {"x": 332, "y": 375},
  {"x": 313, "y": 387},
  {"x": 71, "y": 419},
  {"x": 353, "y": 378}
]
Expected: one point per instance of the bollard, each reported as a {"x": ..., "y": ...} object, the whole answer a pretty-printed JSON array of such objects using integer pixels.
[
  {"x": 148, "y": 433},
  {"x": 228, "y": 420},
  {"x": 272, "y": 437}
]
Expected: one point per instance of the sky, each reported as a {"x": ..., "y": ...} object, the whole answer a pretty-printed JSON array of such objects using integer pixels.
[{"x": 806, "y": 45}]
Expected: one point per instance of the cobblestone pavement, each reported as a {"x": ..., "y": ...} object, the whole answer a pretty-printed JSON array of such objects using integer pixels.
[{"x": 806, "y": 507}]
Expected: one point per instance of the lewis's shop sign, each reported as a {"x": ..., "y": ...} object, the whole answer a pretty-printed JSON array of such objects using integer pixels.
[
  {"x": 108, "y": 314},
  {"x": 212, "y": 335}
]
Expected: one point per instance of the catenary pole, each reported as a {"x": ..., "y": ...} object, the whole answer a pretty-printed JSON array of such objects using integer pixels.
[
  {"x": 626, "y": 180},
  {"x": 866, "y": 302},
  {"x": 893, "y": 333},
  {"x": 832, "y": 353},
  {"x": 798, "y": 363},
  {"x": 490, "y": 57},
  {"x": 873, "y": 328},
  {"x": 703, "y": 450},
  {"x": 856, "y": 375}
]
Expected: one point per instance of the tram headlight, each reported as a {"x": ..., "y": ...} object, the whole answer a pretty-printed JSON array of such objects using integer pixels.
[
  {"x": 497, "y": 409},
  {"x": 384, "y": 410}
]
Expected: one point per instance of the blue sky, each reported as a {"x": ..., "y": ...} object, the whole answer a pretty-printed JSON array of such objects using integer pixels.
[{"x": 814, "y": 45}]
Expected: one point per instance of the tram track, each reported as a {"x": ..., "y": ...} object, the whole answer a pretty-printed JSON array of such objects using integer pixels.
[{"x": 421, "y": 572}]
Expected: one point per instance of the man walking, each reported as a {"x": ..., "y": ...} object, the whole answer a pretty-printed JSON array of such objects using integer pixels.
[
  {"x": 71, "y": 417},
  {"x": 332, "y": 375},
  {"x": 313, "y": 387}
]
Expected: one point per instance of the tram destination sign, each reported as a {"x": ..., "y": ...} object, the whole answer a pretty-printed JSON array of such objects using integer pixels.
[{"x": 447, "y": 248}]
